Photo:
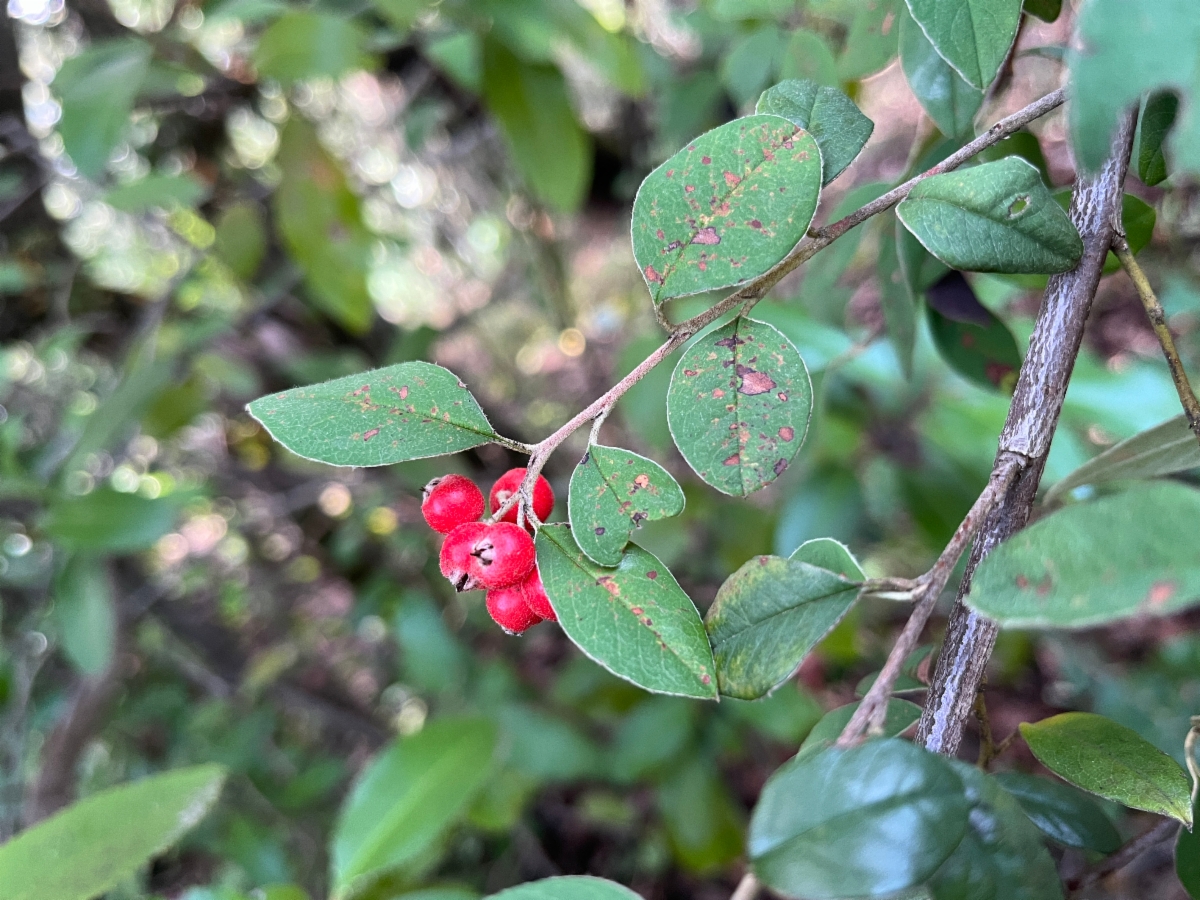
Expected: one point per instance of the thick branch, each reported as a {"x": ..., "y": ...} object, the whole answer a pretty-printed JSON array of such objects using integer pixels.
[
  {"x": 1158, "y": 321},
  {"x": 1032, "y": 418},
  {"x": 751, "y": 293}
]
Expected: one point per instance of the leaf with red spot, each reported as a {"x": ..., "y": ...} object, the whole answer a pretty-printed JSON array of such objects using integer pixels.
[
  {"x": 613, "y": 492},
  {"x": 1126, "y": 555},
  {"x": 634, "y": 619},
  {"x": 739, "y": 405},
  {"x": 727, "y": 207},
  {"x": 408, "y": 411},
  {"x": 970, "y": 337}
]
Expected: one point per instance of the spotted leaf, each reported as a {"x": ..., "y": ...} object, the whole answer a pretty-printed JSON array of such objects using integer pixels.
[
  {"x": 407, "y": 411},
  {"x": 739, "y": 404},
  {"x": 614, "y": 491},
  {"x": 634, "y": 620},
  {"x": 727, "y": 207}
]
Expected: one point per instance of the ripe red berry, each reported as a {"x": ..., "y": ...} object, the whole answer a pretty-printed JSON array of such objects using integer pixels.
[
  {"x": 486, "y": 555},
  {"x": 456, "y": 560},
  {"x": 508, "y": 609},
  {"x": 535, "y": 596},
  {"x": 507, "y": 484},
  {"x": 450, "y": 501}
]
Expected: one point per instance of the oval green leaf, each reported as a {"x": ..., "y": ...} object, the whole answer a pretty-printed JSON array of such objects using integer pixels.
[
  {"x": 948, "y": 99},
  {"x": 634, "y": 620},
  {"x": 1063, "y": 813},
  {"x": 739, "y": 405},
  {"x": 1161, "y": 450},
  {"x": 888, "y": 812},
  {"x": 900, "y": 716},
  {"x": 1095, "y": 562},
  {"x": 971, "y": 35},
  {"x": 613, "y": 492},
  {"x": 407, "y": 411},
  {"x": 92, "y": 846},
  {"x": 766, "y": 618},
  {"x": 995, "y": 217},
  {"x": 109, "y": 521},
  {"x": 568, "y": 887},
  {"x": 84, "y": 612},
  {"x": 1111, "y": 761},
  {"x": 1002, "y": 856},
  {"x": 832, "y": 118},
  {"x": 306, "y": 44},
  {"x": 407, "y": 797},
  {"x": 1154, "y": 124},
  {"x": 727, "y": 207},
  {"x": 970, "y": 337},
  {"x": 1187, "y": 859}
]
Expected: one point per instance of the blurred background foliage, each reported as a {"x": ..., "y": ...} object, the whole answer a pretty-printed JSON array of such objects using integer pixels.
[{"x": 205, "y": 201}]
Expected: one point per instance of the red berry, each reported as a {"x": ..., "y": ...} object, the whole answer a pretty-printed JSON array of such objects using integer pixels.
[
  {"x": 450, "y": 501},
  {"x": 535, "y": 596},
  {"x": 456, "y": 560},
  {"x": 508, "y": 608},
  {"x": 504, "y": 556},
  {"x": 507, "y": 484},
  {"x": 486, "y": 555}
]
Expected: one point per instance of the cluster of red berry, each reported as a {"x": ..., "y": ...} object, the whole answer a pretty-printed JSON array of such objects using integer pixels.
[{"x": 496, "y": 556}]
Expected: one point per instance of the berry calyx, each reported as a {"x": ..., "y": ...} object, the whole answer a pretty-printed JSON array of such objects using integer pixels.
[
  {"x": 535, "y": 596},
  {"x": 508, "y": 609},
  {"x": 508, "y": 483},
  {"x": 486, "y": 555},
  {"x": 450, "y": 501},
  {"x": 457, "y": 560}
]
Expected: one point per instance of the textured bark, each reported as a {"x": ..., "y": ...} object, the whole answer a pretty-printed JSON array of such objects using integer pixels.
[{"x": 1032, "y": 419}]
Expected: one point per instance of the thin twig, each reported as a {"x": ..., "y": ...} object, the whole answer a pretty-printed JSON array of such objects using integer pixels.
[
  {"x": 1158, "y": 321},
  {"x": 750, "y": 293},
  {"x": 872, "y": 710},
  {"x": 1123, "y": 857},
  {"x": 747, "y": 888}
]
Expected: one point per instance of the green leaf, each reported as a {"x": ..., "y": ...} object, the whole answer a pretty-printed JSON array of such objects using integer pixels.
[
  {"x": 871, "y": 40},
  {"x": 321, "y": 224},
  {"x": 1046, "y": 10},
  {"x": 827, "y": 553},
  {"x": 739, "y": 405},
  {"x": 650, "y": 737},
  {"x": 1111, "y": 761},
  {"x": 92, "y": 846},
  {"x": 612, "y": 492},
  {"x": 1001, "y": 857},
  {"x": 838, "y": 126},
  {"x": 972, "y": 35},
  {"x": 408, "y": 411},
  {"x": 157, "y": 191},
  {"x": 727, "y": 207},
  {"x": 970, "y": 337},
  {"x": 1096, "y": 562},
  {"x": 766, "y": 618},
  {"x": 704, "y": 823},
  {"x": 1187, "y": 859},
  {"x": 1025, "y": 145},
  {"x": 97, "y": 89},
  {"x": 305, "y": 44},
  {"x": 108, "y": 521},
  {"x": 1161, "y": 450},
  {"x": 1124, "y": 50},
  {"x": 900, "y": 716},
  {"x": 949, "y": 100},
  {"x": 568, "y": 887},
  {"x": 407, "y": 798},
  {"x": 633, "y": 620},
  {"x": 888, "y": 812},
  {"x": 241, "y": 238},
  {"x": 746, "y": 68},
  {"x": 546, "y": 747},
  {"x": 83, "y": 608},
  {"x": 896, "y": 299},
  {"x": 1154, "y": 124},
  {"x": 995, "y": 217},
  {"x": 545, "y": 141},
  {"x": 1064, "y": 814}
]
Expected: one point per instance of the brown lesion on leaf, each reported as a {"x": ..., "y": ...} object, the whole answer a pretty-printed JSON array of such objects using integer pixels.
[
  {"x": 370, "y": 434},
  {"x": 705, "y": 236},
  {"x": 1160, "y": 593},
  {"x": 733, "y": 460},
  {"x": 652, "y": 574},
  {"x": 787, "y": 433},
  {"x": 609, "y": 584},
  {"x": 754, "y": 382}
]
